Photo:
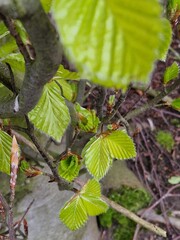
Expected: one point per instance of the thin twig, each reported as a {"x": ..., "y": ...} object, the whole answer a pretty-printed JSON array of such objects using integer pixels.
[
  {"x": 100, "y": 101},
  {"x": 12, "y": 29},
  {"x": 153, "y": 206},
  {"x": 25, "y": 213},
  {"x": 62, "y": 184},
  {"x": 134, "y": 217},
  {"x": 154, "y": 101}
]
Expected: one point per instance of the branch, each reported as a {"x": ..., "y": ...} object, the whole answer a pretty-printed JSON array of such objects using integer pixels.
[
  {"x": 135, "y": 218},
  {"x": 9, "y": 213},
  {"x": 154, "y": 101},
  {"x": 12, "y": 29},
  {"x": 48, "y": 50},
  {"x": 62, "y": 184}
]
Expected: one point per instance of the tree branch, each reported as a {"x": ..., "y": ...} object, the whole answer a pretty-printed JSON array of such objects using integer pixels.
[
  {"x": 62, "y": 184},
  {"x": 12, "y": 28},
  {"x": 48, "y": 50},
  {"x": 135, "y": 218},
  {"x": 154, "y": 101}
]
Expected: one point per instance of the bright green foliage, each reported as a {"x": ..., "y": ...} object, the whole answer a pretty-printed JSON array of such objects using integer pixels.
[
  {"x": 165, "y": 139},
  {"x": 85, "y": 203},
  {"x": 51, "y": 114},
  {"x": 100, "y": 151},
  {"x": 24, "y": 165},
  {"x": 174, "y": 180},
  {"x": 61, "y": 78},
  {"x": 65, "y": 74},
  {"x": 111, "y": 100},
  {"x": 133, "y": 200},
  {"x": 46, "y": 5},
  {"x": 87, "y": 119},
  {"x": 7, "y": 42},
  {"x": 5, "y": 152},
  {"x": 171, "y": 72},
  {"x": 176, "y": 104},
  {"x": 66, "y": 90},
  {"x": 172, "y": 7},
  {"x": 9, "y": 53},
  {"x": 69, "y": 167},
  {"x": 6, "y": 94},
  {"x": 113, "y": 41},
  {"x": 16, "y": 61}
]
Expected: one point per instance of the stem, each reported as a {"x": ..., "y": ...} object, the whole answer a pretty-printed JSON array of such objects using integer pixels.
[
  {"x": 12, "y": 29},
  {"x": 154, "y": 101},
  {"x": 62, "y": 184},
  {"x": 135, "y": 218}
]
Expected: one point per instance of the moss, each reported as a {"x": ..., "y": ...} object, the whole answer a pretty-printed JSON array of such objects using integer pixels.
[
  {"x": 175, "y": 122},
  {"x": 165, "y": 139},
  {"x": 132, "y": 199}
]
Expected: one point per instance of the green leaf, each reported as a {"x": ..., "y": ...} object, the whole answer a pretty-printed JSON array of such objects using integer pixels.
[
  {"x": 69, "y": 167},
  {"x": 174, "y": 180},
  {"x": 51, "y": 114},
  {"x": 46, "y": 5},
  {"x": 65, "y": 88},
  {"x": 172, "y": 7},
  {"x": 120, "y": 145},
  {"x": 87, "y": 119},
  {"x": 176, "y": 104},
  {"x": 16, "y": 61},
  {"x": 61, "y": 78},
  {"x": 22, "y": 32},
  {"x": 115, "y": 41},
  {"x": 99, "y": 152},
  {"x": 65, "y": 74},
  {"x": 171, "y": 72},
  {"x": 97, "y": 158},
  {"x": 5, "y": 152},
  {"x": 90, "y": 194},
  {"x": 5, "y": 93},
  {"x": 7, "y": 42},
  {"x": 85, "y": 203}
]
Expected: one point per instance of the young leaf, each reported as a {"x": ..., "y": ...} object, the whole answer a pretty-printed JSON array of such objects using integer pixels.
[
  {"x": 51, "y": 114},
  {"x": 109, "y": 40},
  {"x": 85, "y": 203},
  {"x": 46, "y": 5},
  {"x": 97, "y": 157},
  {"x": 5, "y": 93},
  {"x": 5, "y": 151},
  {"x": 174, "y": 180},
  {"x": 100, "y": 151},
  {"x": 88, "y": 121},
  {"x": 91, "y": 193},
  {"x": 16, "y": 61},
  {"x": 69, "y": 167},
  {"x": 61, "y": 76},
  {"x": 65, "y": 88},
  {"x": 171, "y": 72},
  {"x": 74, "y": 214},
  {"x": 176, "y": 104},
  {"x": 120, "y": 145},
  {"x": 65, "y": 74}
]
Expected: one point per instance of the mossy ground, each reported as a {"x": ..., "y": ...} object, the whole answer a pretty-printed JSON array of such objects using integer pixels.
[{"x": 132, "y": 199}]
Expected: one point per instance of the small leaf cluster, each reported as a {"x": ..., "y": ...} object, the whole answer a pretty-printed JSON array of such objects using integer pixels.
[{"x": 86, "y": 202}]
